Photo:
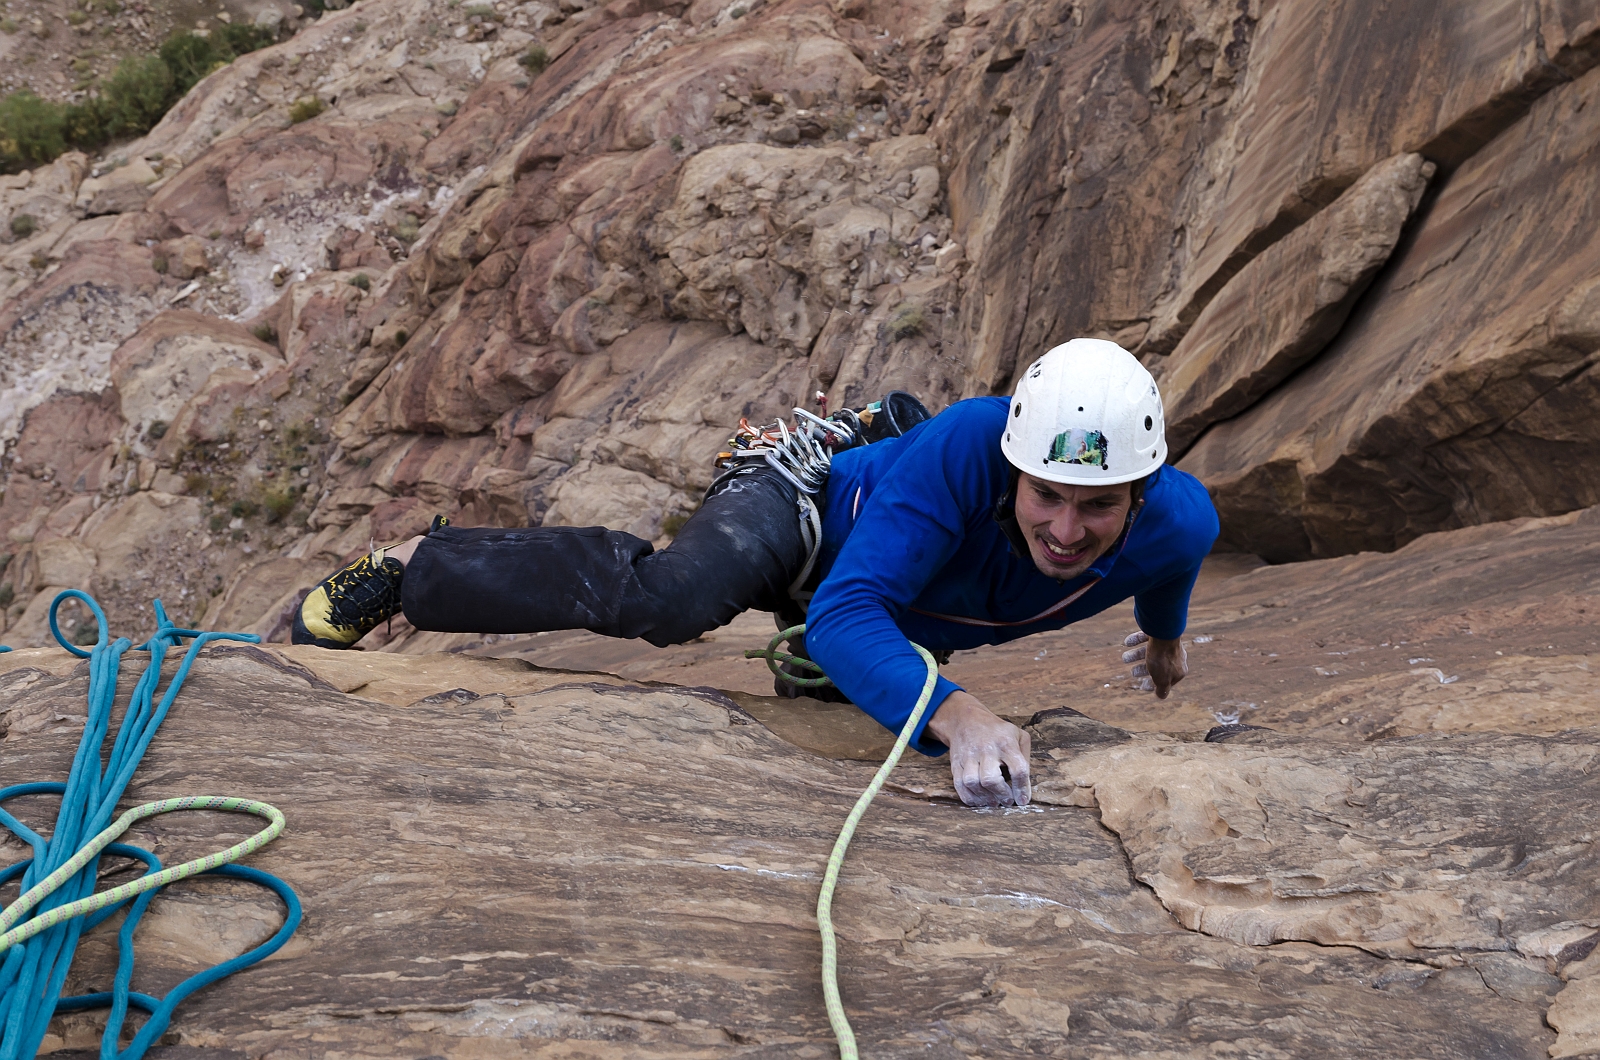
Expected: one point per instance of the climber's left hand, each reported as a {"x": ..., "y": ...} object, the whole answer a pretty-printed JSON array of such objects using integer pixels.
[{"x": 1159, "y": 664}]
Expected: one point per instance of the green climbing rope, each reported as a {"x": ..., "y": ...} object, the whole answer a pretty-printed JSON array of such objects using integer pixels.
[
  {"x": 830, "y": 947},
  {"x": 10, "y": 936},
  {"x": 776, "y": 659}
]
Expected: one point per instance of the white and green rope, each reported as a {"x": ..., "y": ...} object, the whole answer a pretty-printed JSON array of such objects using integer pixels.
[
  {"x": 830, "y": 949},
  {"x": 10, "y": 936}
]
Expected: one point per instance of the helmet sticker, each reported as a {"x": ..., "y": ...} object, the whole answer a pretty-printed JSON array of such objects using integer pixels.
[{"x": 1079, "y": 446}]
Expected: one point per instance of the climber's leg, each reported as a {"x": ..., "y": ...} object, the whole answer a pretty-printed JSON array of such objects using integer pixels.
[{"x": 740, "y": 550}]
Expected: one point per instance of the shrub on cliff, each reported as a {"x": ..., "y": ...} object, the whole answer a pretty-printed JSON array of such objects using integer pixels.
[
  {"x": 34, "y": 131},
  {"x": 534, "y": 60},
  {"x": 305, "y": 108}
]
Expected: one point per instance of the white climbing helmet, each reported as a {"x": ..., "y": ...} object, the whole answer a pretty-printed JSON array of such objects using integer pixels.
[{"x": 1087, "y": 413}]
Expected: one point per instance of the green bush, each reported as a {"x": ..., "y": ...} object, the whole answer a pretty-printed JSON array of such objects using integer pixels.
[
  {"x": 305, "y": 108},
  {"x": 535, "y": 59},
  {"x": 24, "y": 225},
  {"x": 907, "y": 320},
  {"x": 278, "y": 503},
  {"x": 362, "y": 281},
  {"x": 138, "y": 93},
  {"x": 32, "y": 131},
  {"x": 189, "y": 58}
]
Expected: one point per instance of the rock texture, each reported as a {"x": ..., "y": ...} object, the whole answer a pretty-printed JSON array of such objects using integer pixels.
[
  {"x": 1401, "y": 861},
  {"x": 1284, "y": 307},
  {"x": 1357, "y": 254},
  {"x": 502, "y": 860},
  {"x": 1417, "y": 414}
]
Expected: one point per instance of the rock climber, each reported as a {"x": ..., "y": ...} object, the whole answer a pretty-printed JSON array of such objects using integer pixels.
[{"x": 996, "y": 519}]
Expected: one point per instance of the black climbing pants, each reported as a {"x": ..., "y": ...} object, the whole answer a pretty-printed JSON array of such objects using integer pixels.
[{"x": 740, "y": 550}]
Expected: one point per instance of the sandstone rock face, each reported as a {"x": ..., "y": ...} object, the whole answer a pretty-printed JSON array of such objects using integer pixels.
[
  {"x": 1442, "y": 385},
  {"x": 1402, "y": 862},
  {"x": 662, "y": 905},
  {"x": 513, "y": 293},
  {"x": 1283, "y": 307}
]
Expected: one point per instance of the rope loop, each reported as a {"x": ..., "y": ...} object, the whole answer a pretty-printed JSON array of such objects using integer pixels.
[
  {"x": 776, "y": 658},
  {"x": 39, "y": 932},
  {"x": 99, "y": 619}
]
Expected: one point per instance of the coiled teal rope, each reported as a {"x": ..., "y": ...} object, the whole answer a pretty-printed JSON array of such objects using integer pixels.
[
  {"x": 830, "y": 946},
  {"x": 58, "y": 880}
]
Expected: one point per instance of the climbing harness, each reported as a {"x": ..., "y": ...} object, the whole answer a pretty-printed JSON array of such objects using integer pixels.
[
  {"x": 58, "y": 881},
  {"x": 803, "y": 455},
  {"x": 830, "y": 948}
]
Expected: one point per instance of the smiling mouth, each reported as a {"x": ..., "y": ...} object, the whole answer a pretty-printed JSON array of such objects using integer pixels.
[{"x": 1062, "y": 555}]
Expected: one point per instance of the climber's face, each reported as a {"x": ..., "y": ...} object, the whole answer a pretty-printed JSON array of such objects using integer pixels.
[{"x": 1069, "y": 527}]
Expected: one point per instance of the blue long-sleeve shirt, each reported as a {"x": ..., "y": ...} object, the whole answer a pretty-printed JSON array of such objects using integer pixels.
[{"x": 910, "y": 534}]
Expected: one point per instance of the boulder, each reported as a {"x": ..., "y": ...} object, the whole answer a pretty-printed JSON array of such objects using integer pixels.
[
  {"x": 185, "y": 258},
  {"x": 605, "y": 495},
  {"x": 769, "y": 239},
  {"x": 64, "y": 562},
  {"x": 162, "y": 374},
  {"x": 1281, "y": 310},
  {"x": 1451, "y": 397}
]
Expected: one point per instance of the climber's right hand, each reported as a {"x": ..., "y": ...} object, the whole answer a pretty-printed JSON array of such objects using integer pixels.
[{"x": 983, "y": 751}]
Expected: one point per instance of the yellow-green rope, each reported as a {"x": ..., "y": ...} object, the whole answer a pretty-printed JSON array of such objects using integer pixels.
[
  {"x": 830, "y": 880},
  {"x": 36, "y": 894},
  {"x": 776, "y": 658}
]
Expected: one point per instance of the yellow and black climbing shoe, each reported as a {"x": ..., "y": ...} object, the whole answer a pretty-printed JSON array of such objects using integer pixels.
[{"x": 350, "y": 603}]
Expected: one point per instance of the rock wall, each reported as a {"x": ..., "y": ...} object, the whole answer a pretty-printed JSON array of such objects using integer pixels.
[
  {"x": 497, "y": 860},
  {"x": 1357, "y": 250},
  {"x": 502, "y": 859}
]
